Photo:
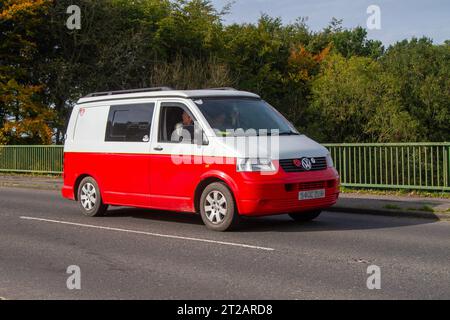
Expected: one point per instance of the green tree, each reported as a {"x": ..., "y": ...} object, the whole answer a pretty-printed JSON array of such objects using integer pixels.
[
  {"x": 334, "y": 84},
  {"x": 302, "y": 67},
  {"x": 113, "y": 50},
  {"x": 347, "y": 42},
  {"x": 257, "y": 56},
  {"x": 422, "y": 72},
  {"x": 193, "y": 29},
  {"x": 353, "y": 100},
  {"x": 23, "y": 116}
]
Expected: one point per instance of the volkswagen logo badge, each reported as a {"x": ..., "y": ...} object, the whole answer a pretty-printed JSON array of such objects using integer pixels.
[{"x": 306, "y": 164}]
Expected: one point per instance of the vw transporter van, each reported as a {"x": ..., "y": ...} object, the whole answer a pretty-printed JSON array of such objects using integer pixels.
[{"x": 220, "y": 152}]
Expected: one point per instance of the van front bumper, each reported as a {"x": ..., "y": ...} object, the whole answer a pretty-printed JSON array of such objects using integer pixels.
[{"x": 265, "y": 195}]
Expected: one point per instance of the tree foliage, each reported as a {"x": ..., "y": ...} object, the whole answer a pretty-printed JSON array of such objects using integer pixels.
[
  {"x": 24, "y": 118},
  {"x": 334, "y": 84},
  {"x": 355, "y": 101},
  {"x": 422, "y": 71}
]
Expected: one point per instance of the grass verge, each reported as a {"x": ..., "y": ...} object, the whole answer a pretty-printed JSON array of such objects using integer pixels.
[{"x": 398, "y": 192}]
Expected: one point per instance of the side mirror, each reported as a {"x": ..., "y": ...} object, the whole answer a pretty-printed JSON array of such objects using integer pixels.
[
  {"x": 205, "y": 140},
  {"x": 200, "y": 138}
]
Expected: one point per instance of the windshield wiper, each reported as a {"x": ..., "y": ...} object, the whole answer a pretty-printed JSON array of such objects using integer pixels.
[
  {"x": 288, "y": 133},
  {"x": 283, "y": 133}
]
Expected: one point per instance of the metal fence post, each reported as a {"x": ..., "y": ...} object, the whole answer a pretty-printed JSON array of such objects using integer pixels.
[{"x": 448, "y": 165}]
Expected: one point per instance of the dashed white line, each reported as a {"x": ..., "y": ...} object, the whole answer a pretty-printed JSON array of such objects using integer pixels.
[{"x": 242, "y": 245}]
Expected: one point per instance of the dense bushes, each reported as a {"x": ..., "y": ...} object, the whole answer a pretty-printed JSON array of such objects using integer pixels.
[{"x": 335, "y": 85}]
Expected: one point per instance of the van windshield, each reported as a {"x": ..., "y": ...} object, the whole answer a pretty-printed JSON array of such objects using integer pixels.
[{"x": 243, "y": 116}]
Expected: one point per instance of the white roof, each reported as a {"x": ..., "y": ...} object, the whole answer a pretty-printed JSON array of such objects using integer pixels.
[{"x": 170, "y": 93}]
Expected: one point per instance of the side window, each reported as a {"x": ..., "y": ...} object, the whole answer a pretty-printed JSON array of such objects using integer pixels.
[
  {"x": 176, "y": 124},
  {"x": 129, "y": 123}
]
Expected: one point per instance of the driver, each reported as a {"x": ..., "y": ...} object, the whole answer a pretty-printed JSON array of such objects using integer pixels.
[{"x": 185, "y": 124}]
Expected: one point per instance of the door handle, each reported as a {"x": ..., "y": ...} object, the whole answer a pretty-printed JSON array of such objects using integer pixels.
[{"x": 158, "y": 148}]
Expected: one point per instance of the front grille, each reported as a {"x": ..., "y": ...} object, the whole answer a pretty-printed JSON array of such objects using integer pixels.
[
  {"x": 320, "y": 163},
  {"x": 312, "y": 185}
]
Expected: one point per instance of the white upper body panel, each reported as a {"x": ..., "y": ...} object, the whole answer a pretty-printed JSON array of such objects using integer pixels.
[{"x": 88, "y": 121}]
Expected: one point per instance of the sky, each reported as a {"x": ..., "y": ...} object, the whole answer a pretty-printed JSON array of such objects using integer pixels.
[{"x": 399, "y": 19}]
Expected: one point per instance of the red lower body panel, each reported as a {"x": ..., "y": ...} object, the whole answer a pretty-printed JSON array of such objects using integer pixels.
[{"x": 154, "y": 181}]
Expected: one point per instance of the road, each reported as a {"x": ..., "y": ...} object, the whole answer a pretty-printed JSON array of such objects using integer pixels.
[{"x": 144, "y": 254}]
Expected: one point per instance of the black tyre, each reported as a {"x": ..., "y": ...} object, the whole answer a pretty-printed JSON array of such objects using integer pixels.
[
  {"x": 90, "y": 199},
  {"x": 305, "y": 216},
  {"x": 218, "y": 208}
]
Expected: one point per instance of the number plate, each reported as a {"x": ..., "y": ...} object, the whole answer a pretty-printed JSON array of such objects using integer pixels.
[{"x": 311, "y": 194}]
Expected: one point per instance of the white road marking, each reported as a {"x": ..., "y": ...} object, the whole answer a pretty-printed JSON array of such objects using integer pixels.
[{"x": 149, "y": 233}]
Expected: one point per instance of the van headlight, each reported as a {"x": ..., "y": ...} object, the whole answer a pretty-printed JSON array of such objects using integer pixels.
[
  {"x": 254, "y": 165},
  {"x": 329, "y": 161}
]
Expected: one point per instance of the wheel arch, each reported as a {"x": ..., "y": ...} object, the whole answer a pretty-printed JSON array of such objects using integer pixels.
[
  {"x": 78, "y": 180},
  {"x": 209, "y": 178}
]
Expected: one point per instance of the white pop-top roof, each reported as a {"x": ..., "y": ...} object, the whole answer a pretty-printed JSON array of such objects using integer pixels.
[{"x": 203, "y": 93}]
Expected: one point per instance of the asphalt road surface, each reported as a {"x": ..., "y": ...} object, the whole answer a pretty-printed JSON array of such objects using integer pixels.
[{"x": 144, "y": 254}]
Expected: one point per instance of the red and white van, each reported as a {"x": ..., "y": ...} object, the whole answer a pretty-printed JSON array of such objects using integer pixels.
[{"x": 220, "y": 152}]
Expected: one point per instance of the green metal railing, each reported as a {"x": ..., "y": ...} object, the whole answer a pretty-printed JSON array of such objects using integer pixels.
[
  {"x": 31, "y": 159},
  {"x": 420, "y": 166}
]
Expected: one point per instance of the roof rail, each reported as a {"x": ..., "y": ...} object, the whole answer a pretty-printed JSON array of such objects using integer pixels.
[
  {"x": 109, "y": 93},
  {"x": 223, "y": 88}
]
